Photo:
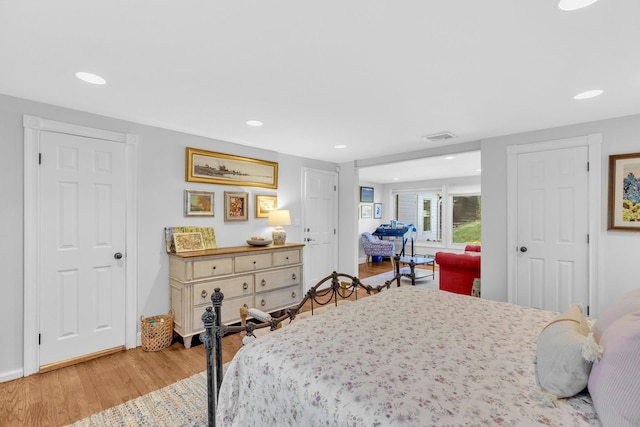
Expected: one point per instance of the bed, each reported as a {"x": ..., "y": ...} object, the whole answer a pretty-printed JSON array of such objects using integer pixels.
[{"x": 405, "y": 356}]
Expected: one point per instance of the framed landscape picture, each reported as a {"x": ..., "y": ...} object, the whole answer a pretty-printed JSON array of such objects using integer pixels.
[
  {"x": 198, "y": 203},
  {"x": 624, "y": 192},
  {"x": 218, "y": 168},
  {"x": 365, "y": 211},
  {"x": 366, "y": 195},
  {"x": 264, "y": 204},
  {"x": 187, "y": 242},
  {"x": 236, "y": 206}
]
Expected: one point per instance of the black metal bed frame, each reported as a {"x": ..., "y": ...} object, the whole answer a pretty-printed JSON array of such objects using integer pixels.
[{"x": 215, "y": 330}]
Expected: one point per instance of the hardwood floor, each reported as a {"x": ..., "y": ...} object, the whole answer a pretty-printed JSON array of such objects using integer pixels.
[{"x": 69, "y": 394}]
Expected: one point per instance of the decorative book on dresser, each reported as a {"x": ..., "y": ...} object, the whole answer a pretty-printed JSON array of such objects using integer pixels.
[{"x": 265, "y": 277}]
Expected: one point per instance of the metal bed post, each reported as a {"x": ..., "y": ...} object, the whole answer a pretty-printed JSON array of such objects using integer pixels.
[{"x": 212, "y": 340}]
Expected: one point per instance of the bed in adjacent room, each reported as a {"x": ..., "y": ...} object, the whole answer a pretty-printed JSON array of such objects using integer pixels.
[{"x": 404, "y": 357}]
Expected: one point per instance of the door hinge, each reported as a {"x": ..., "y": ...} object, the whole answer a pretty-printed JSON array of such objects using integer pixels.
[
  {"x": 588, "y": 311},
  {"x": 39, "y": 158},
  {"x": 587, "y": 166},
  {"x": 334, "y": 232},
  {"x": 39, "y": 339},
  {"x": 587, "y": 239},
  {"x": 335, "y": 188}
]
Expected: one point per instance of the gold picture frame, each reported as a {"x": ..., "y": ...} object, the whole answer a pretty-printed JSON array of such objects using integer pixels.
[
  {"x": 236, "y": 206},
  {"x": 218, "y": 168},
  {"x": 264, "y": 204},
  {"x": 624, "y": 192}
]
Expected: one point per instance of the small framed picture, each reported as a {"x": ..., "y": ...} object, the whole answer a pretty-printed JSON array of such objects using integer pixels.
[
  {"x": 264, "y": 204},
  {"x": 366, "y": 194},
  {"x": 365, "y": 211},
  {"x": 236, "y": 206},
  {"x": 624, "y": 192},
  {"x": 188, "y": 242},
  {"x": 377, "y": 210},
  {"x": 198, "y": 203}
]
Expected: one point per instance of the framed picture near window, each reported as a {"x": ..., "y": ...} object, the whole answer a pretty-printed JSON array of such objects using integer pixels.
[
  {"x": 264, "y": 204},
  {"x": 377, "y": 210},
  {"x": 236, "y": 206},
  {"x": 365, "y": 211},
  {"x": 624, "y": 192},
  {"x": 366, "y": 195},
  {"x": 198, "y": 203}
]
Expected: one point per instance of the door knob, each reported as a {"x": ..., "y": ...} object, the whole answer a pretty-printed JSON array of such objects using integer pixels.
[
  {"x": 117, "y": 255},
  {"x": 523, "y": 249},
  {"x": 308, "y": 239}
]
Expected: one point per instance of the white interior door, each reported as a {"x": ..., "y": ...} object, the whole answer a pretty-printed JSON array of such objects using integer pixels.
[
  {"x": 553, "y": 228},
  {"x": 320, "y": 229},
  {"x": 82, "y": 212}
]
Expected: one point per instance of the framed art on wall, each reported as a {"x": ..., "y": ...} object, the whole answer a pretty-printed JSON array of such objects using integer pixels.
[
  {"x": 187, "y": 242},
  {"x": 236, "y": 206},
  {"x": 624, "y": 192},
  {"x": 198, "y": 203},
  {"x": 377, "y": 210},
  {"x": 366, "y": 194},
  {"x": 264, "y": 204},
  {"x": 365, "y": 211},
  {"x": 218, "y": 168}
]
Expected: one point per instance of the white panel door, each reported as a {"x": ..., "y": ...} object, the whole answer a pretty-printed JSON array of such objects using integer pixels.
[
  {"x": 82, "y": 241},
  {"x": 320, "y": 230},
  {"x": 552, "y": 228}
]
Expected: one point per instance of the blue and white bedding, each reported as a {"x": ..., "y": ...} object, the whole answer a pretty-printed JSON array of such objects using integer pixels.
[{"x": 404, "y": 357}]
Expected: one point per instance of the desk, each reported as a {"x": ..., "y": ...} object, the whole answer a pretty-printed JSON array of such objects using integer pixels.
[
  {"x": 410, "y": 271},
  {"x": 395, "y": 232}
]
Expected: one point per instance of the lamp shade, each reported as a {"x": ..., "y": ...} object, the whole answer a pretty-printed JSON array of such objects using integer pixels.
[{"x": 279, "y": 218}]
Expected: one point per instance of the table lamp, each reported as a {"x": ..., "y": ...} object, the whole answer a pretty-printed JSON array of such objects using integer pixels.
[{"x": 279, "y": 218}]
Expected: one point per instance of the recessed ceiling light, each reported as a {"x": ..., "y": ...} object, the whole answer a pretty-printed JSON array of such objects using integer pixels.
[
  {"x": 90, "y": 78},
  {"x": 478, "y": 170},
  {"x": 254, "y": 123},
  {"x": 449, "y": 158},
  {"x": 574, "y": 4},
  {"x": 340, "y": 146},
  {"x": 395, "y": 179},
  {"x": 589, "y": 94}
]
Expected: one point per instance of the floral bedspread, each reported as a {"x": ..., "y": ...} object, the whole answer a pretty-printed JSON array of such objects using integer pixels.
[{"x": 404, "y": 357}]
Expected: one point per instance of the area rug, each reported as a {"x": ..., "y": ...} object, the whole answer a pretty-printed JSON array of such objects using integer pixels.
[
  {"x": 381, "y": 279},
  {"x": 183, "y": 403}
]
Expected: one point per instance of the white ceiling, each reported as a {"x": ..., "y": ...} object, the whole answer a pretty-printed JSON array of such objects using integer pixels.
[{"x": 373, "y": 75}]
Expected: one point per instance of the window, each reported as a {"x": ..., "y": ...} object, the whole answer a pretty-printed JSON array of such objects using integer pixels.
[
  {"x": 466, "y": 219},
  {"x": 428, "y": 209}
]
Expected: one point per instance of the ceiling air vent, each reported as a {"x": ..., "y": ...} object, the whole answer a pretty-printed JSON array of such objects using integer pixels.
[{"x": 442, "y": 136}]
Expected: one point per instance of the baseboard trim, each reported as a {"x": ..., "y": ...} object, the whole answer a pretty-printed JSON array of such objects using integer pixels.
[{"x": 11, "y": 375}]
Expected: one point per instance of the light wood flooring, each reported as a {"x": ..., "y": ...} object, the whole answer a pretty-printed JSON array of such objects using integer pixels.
[{"x": 69, "y": 394}]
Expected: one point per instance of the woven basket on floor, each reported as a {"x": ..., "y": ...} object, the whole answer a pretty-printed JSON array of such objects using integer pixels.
[{"x": 156, "y": 332}]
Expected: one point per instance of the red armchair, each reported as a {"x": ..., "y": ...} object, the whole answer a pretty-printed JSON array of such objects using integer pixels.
[{"x": 457, "y": 271}]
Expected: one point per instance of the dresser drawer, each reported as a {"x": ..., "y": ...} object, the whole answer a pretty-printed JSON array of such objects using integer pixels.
[
  {"x": 230, "y": 312},
  {"x": 275, "y": 279},
  {"x": 252, "y": 262},
  {"x": 281, "y": 298},
  {"x": 286, "y": 258},
  {"x": 231, "y": 288},
  {"x": 212, "y": 267}
]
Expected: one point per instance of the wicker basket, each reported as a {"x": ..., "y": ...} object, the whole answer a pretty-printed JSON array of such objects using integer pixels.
[{"x": 156, "y": 332}]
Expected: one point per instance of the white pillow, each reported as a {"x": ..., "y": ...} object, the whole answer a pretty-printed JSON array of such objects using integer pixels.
[
  {"x": 561, "y": 369},
  {"x": 614, "y": 383},
  {"x": 628, "y": 303}
]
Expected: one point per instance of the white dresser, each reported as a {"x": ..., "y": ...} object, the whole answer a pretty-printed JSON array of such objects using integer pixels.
[{"x": 265, "y": 277}]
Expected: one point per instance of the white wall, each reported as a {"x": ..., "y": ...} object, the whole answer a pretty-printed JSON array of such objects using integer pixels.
[
  {"x": 161, "y": 183},
  {"x": 618, "y": 251}
]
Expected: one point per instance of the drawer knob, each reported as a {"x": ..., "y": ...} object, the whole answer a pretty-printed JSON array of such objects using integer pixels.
[
  {"x": 293, "y": 276},
  {"x": 245, "y": 286},
  {"x": 263, "y": 303},
  {"x": 203, "y": 294},
  {"x": 293, "y": 295},
  {"x": 287, "y": 258},
  {"x": 214, "y": 267},
  {"x": 263, "y": 283}
]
